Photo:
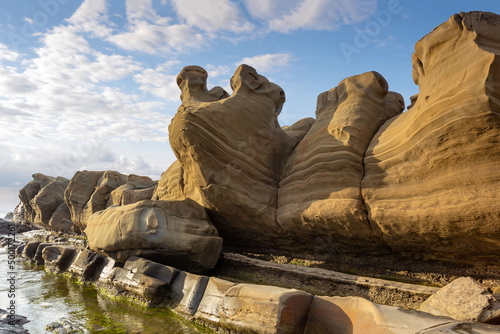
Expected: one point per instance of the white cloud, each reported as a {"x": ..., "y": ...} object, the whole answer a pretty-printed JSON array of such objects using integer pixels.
[
  {"x": 110, "y": 67},
  {"x": 153, "y": 38},
  {"x": 7, "y": 54},
  {"x": 267, "y": 62},
  {"x": 216, "y": 71},
  {"x": 138, "y": 10},
  {"x": 159, "y": 84},
  {"x": 212, "y": 15},
  {"x": 92, "y": 17},
  {"x": 20, "y": 163},
  {"x": 13, "y": 83},
  {"x": 267, "y": 9},
  {"x": 286, "y": 16}
]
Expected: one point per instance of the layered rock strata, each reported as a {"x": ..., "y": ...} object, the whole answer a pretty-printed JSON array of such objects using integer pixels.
[
  {"x": 175, "y": 233},
  {"x": 320, "y": 187},
  {"x": 89, "y": 192},
  {"x": 249, "y": 308},
  {"x": 432, "y": 176},
  {"x": 231, "y": 152},
  {"x": 363, "y": 175},
  {"x": 43, "y": 203}
]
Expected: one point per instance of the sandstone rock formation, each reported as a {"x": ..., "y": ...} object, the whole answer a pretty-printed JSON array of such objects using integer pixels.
[
  {"x": 466, "y": 300},
  {"x": 43, "y": 202},
  {"x": 232, "y": 151},
  {"x": 171, "y": 184},
  {"x": 93, "y": 191},
  {"x": 89, "y": 192},
  {"x": 320, "y": 188},
  {"x": 432, "y": 174},
  {"x": 249, "y": 308},
  {"x": 423, "y": 183},
  {"x": 177, "y": 233},
  {"x": 137, "y": 188}
]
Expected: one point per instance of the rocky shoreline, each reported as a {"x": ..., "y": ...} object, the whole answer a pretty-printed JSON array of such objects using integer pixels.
[
  {"x": 367, "y": 219},
  {"x": 233, "y": 304}
]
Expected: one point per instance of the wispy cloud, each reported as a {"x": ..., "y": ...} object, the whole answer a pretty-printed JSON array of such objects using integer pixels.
[
  {"x": 286, "y": 16},
  {"x": 212, "y": 15},
  {"x": 6, "y": 54},
  {"x": 268, "y": 62}
]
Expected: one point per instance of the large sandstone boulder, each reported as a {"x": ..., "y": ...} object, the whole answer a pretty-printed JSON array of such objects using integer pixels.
[
  {"x": 231, "y": 152},
  {"x": 89, "y": 192},
  {"x": 19, "y": 214},
  {"x": 464, "y": 299},
  {"x": 248, "y": 308},
  {"x": 320, "y": 188},
  {"x": 93, "y": 191},
  {"x": 137, "y": 188},
  {"x": 29, "y": 191},
  {"x": 432, "y": 174},
  {"x": 177, "y": 233},
  {"x": 359, "y": 316},
  {"x": 374, "y": 180},
  {"x": 171, "y": 184},
  {"x": 43, "y": 203}
]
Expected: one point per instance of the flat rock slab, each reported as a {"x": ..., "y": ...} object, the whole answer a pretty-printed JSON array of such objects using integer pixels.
[
  {"x": 462, "y": 328},
  {"x": 58, "y": 258},
  {"x": 107, "y": 269},
  {"x": 186, "y": 292},
  {"x": 152, "y": 269},
  {"x": 354, "y": 315},
  {"x": 334, "y": 276},
  {"x": 466, "y": 300},
  {"x": 357, "y": 315},
  {"x": 20, "y": 249},
  {"x": 248, "y": 308},
  {"x": 87, "y": 265},
  {"x": 29, "y": 250},
  {"x": 38, "y": 258},
  {"x": 149, "y": 288},
  {"x": 208, "y": 310}
]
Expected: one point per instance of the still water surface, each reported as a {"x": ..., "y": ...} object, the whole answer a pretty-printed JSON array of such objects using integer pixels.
[{"x": 46, "y": 298}]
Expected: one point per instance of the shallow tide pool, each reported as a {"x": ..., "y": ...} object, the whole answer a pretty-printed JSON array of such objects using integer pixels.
[{"x": 46, "y": 298}]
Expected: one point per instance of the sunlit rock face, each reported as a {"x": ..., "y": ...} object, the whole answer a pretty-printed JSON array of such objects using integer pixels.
[
  {"x": 43, "y": 202},
  {"x": 320, "y": 187},
  {"x": 231, "y": 151},
  {"x": 432, "y": 174},
  {"x": 369, "y": 178},
  {"x": 93, "y": 191},
  {"x": 136, "y": 188},
  {"x": 88, "y": 192},
  {"x": 177, "y": 233}
]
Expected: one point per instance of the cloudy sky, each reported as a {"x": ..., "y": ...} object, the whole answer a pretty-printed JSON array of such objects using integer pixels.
[{"x": 90, "y": 84}]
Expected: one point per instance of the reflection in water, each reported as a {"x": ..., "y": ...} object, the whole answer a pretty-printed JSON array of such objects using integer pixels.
[{"x": 45, "y": 298}]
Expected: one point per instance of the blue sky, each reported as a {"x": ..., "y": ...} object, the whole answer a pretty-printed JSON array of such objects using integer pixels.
[{"x": 91, "y": 84}]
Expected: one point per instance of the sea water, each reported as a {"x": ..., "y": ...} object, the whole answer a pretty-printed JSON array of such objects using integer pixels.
[{"x": 45, "y": 298}]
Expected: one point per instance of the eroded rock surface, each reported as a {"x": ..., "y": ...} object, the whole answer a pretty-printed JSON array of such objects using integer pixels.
[
  {"x": 136, "y": 188},
  {"x": 320, "y": 188},
  {"x": 464, "y": 299},
  {"x": 89, "y": 192},
  {"x": 93, "y": 191},
  {"x": 249, "y": 308},
  {"x": 231, "y": 152},
  {"x": 43, "y": 203},
  {"x": 373, "y": 180},
  {"x": 177, "y": 233},
  {"x": 432, "y": 174}
]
